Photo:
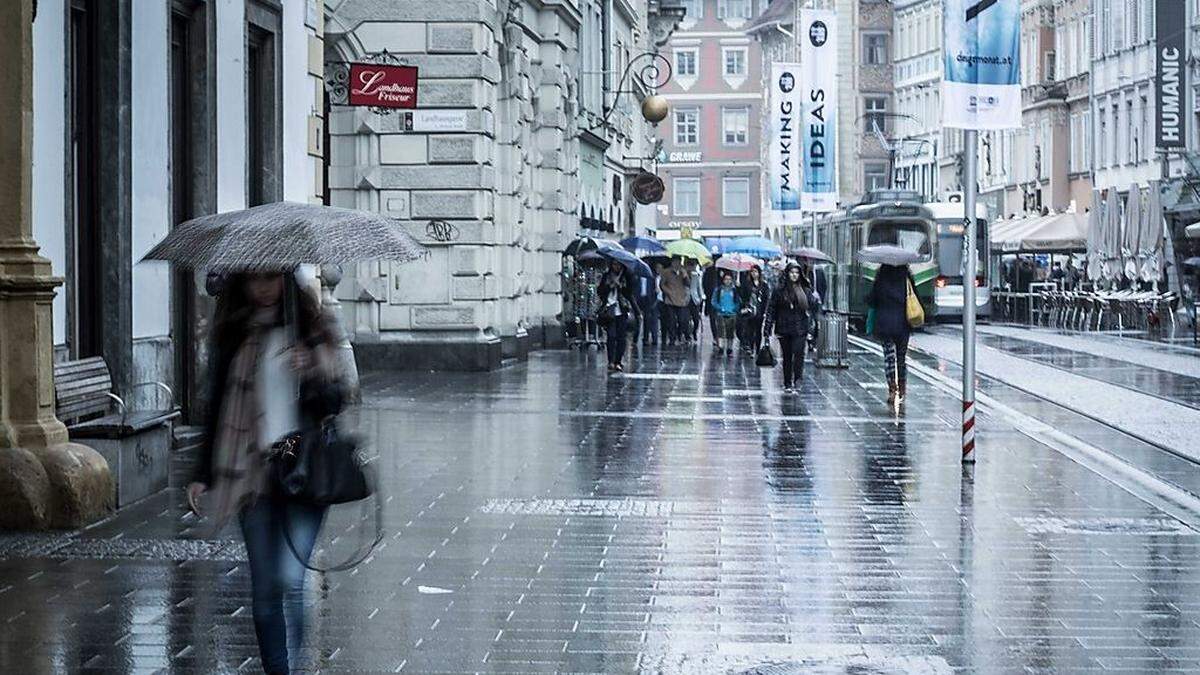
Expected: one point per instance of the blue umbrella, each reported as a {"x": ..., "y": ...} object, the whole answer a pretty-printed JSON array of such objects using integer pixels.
[
  {"x": 759, "y": 247},
  {"x": 717, "y": 245},
  {"x": 643, "y": 246},
  {"x": 629, "y": 260}
]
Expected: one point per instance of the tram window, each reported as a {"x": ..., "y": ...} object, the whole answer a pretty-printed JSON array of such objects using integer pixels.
[{"x": 912, "y": 236}]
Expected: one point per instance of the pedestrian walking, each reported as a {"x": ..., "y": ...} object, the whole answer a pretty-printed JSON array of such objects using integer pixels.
[
  {"x": 263, "y": 356},
  {"x": 788, "y": 315},
  {"x": 754, "y": 296},
  {"x": 726, "y": 305},
  {"x": 710, "y": 280},
  {"x": 696, "y": 299},
  {"x": 888, "y": 302},
  {"x": 648, "y": 301},
  {"x": 676, "y": 295},
  {"x": 616, "y": 298}
]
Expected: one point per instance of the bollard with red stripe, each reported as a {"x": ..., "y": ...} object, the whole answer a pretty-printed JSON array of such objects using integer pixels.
[{"x": 968, "y": 432}]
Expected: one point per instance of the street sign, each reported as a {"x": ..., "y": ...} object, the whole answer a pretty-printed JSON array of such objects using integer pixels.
[{"x": 383, "y": 86}]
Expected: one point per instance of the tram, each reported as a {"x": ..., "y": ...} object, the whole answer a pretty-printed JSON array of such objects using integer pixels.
[
  {"x": 894, "y": 217},
  {"x": 948, "y": 254}
]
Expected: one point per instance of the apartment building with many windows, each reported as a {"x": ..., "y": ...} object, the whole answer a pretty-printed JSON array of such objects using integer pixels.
[{"x": 710, "y": 158}]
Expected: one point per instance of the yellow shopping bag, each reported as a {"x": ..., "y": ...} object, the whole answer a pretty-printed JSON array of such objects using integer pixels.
[{"x": 912, "y": 308}]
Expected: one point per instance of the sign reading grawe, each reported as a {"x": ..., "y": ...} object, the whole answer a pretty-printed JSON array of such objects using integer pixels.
[{"x": 383, "y": 86}]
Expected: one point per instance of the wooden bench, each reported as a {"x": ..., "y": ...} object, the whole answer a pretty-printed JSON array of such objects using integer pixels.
[{"x": 136, "y": 443}]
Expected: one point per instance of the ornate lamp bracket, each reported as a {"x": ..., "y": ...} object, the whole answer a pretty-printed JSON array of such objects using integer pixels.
[{"x": 650, "y": 70}]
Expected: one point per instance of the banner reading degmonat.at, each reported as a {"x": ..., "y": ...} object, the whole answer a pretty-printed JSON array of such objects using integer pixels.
[
  {"x": 982, "y": 84},
  {"x": 818, "y": 60},
  {"x": 784, "y": 173}
]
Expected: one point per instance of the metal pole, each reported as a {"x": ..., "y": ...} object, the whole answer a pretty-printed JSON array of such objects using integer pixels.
[{"x": 969, "y": 274}]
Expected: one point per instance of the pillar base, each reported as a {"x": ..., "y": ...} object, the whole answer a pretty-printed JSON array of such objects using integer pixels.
[{"x": 66, "y": 485}]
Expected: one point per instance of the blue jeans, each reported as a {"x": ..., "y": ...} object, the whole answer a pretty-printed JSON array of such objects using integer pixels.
[{"x": 276, "y": 576}]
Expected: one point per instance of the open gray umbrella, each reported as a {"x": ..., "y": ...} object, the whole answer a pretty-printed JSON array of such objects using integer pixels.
[
  {"x": 809, "y": 253},
  {"x": 886, "y": 254},
  {"x": 282, "y": 235}
]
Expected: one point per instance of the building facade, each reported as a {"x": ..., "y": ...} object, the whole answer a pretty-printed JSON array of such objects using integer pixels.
[
  {"x": 146, "y": 115},
  {"x": 520, "y": 142},
  {"x": 924, "y": 159},
  {"x": 710, "y": 159}
]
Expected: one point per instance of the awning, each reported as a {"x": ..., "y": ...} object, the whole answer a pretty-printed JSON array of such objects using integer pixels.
[{"x": 1040, "y": 234}]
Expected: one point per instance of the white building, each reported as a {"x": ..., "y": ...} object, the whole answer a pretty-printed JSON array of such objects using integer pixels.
[
  {"x": 923, "y": 159},
  {"x": 147, "y": 114},
  {"x": 525, "y": 157}
]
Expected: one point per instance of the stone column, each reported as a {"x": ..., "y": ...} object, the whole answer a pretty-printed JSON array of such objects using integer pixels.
[{"x": 45, "y": 481}]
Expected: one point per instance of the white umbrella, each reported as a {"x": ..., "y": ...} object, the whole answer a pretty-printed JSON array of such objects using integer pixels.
[
  {"x": 1094, "y": 237},
  {"x": 887, "y": 254},
  {"x": 1133, "y": 227},
  {"x": 1112, "y": 236},
  {"x": 1150, "y": 243}
]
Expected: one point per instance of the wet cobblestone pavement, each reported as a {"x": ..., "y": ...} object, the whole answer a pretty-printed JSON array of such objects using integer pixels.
[{"x": 686, "y": 518}]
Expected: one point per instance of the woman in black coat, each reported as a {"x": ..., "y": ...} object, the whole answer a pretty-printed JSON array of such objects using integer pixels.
[
  {"x": 788, "y": 314},
  {"x": 753, "y": 295},
  {"x": 889, "y": 299},
  {"x": 616, "y": 308}
]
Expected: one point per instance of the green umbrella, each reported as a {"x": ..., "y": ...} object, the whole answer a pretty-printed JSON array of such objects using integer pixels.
[{"x": 689, "y": 248}]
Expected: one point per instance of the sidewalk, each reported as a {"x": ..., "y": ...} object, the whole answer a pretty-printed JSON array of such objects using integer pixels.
[{"x": 686, "y": 518}]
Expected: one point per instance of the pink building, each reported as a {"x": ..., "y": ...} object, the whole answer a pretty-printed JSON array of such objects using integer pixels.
[{"x": 711, "y": 138}]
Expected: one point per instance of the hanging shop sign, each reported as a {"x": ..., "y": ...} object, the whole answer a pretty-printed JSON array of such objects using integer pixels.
[
  {"x": 982, "y": 85},
  {"x": 818, "y": 59},
  {"x": 1169, "y": 113},
  {"x": 784, "y": 170},
  {"x": 647, "y": 188},
  {"x": 383, "y": 86}
]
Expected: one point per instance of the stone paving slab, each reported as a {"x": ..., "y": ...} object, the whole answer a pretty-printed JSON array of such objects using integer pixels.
[{"x": 705, "y": 524}]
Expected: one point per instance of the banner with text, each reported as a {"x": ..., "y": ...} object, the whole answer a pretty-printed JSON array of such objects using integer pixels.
[
  {"x": 982, "y": 84},
  {"x": 818, "y": 62},
  {"x": 1170, "y": 96},
  {"x": 784, "y": 171}
]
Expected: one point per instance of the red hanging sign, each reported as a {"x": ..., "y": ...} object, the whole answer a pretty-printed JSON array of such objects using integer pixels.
[{"x": 383, "y": 86}]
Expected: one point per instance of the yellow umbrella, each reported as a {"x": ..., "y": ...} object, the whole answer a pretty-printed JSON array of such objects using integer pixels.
[{"x": 689, "y": 248}]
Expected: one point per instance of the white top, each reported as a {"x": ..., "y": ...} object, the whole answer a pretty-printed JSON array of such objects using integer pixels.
[{"x": 276, "y": 389}]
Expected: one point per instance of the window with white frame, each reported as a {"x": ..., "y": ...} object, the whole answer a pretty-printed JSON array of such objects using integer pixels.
[
  {"x": 695, "y": 9},
  {"x": 735, "y": 125},
  {"x": 875, "y": 113},
  {"x": 735, "y": 61},
  {"x": 687, "y": 196},
  {"x": 687, "y": 126},
  {"x": 687, "y": 62},
  {"x": 733, "y": 9},
  {"x": 875, "y": 49},
  {"x": 875, "y": 176},
  {"x": 735, "y": 196}
]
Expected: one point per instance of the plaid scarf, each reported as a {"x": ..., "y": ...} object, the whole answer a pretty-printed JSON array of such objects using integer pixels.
[{"x": 239, "y": 465}]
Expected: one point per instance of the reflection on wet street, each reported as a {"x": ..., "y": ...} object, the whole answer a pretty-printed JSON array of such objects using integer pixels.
[{"x": 686, "y": 518}]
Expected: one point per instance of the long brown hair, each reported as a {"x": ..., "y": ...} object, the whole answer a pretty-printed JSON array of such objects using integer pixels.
[{"x": 234, "y": 310}]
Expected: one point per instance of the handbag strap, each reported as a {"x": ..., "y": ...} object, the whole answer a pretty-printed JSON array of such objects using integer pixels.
[{"x": 364, "y": 551}]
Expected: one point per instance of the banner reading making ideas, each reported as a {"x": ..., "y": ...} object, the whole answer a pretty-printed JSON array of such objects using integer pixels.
[
  {"x": 784, "y": 172},
  {"x": 982, "y": 84},
  {"x": 818, "y": 61}
]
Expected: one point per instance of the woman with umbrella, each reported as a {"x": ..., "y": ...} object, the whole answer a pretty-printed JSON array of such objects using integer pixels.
[
  {"x": 788, "y": 315},
  {"x": 755, "y": 294},
  {"x": 273, "y": 375},
  {"x": 888, "y": 301},
  {"x": 616, "y": 306}
]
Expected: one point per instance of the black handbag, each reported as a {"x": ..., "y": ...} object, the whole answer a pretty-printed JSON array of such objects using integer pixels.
[{"x": 765, "y": 358}]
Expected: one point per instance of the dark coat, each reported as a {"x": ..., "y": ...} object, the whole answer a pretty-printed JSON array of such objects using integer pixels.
[
  {"x": 624, "y": 296},
  {"x": 784, "y": 314},
  {"x": 755, "y": 296},
  {"x": 709, "y": 281},
  {"x": 889, "y": 297}
]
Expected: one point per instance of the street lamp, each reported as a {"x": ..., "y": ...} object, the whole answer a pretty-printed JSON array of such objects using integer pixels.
[{"x": 650, "y": 70}]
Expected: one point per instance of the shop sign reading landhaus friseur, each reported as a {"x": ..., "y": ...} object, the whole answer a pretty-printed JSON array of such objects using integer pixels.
[{"x": 383, "y": 86}]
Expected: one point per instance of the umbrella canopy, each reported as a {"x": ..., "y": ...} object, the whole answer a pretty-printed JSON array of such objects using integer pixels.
[
  {"x": 810, "y": 253},
  {"x": 689, "y": 248},
  {"x": 717, "y": 245},
  {"x": 1095, "y": 236},
  {"x": 1112, "y": 235},
  {"x": 1150, "y": 243},
  {"x": 886, "y": 254},
  {"x": 627, "y": 259},
  {"x": 279, "y": 236},
  {"x": 1132, "y": 234},
  {"x": 592, "y": 258},
  {"x": 643, "y": 246},
  {"x": 738, "y": 262},
  {"x": 759, "y": 247},
  {"x": 1040, "y": 234},
  {"x": 584, "y": 244}
]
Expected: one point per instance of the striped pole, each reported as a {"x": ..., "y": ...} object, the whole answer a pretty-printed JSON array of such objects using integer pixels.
[{"x": 970, "y": 262}]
